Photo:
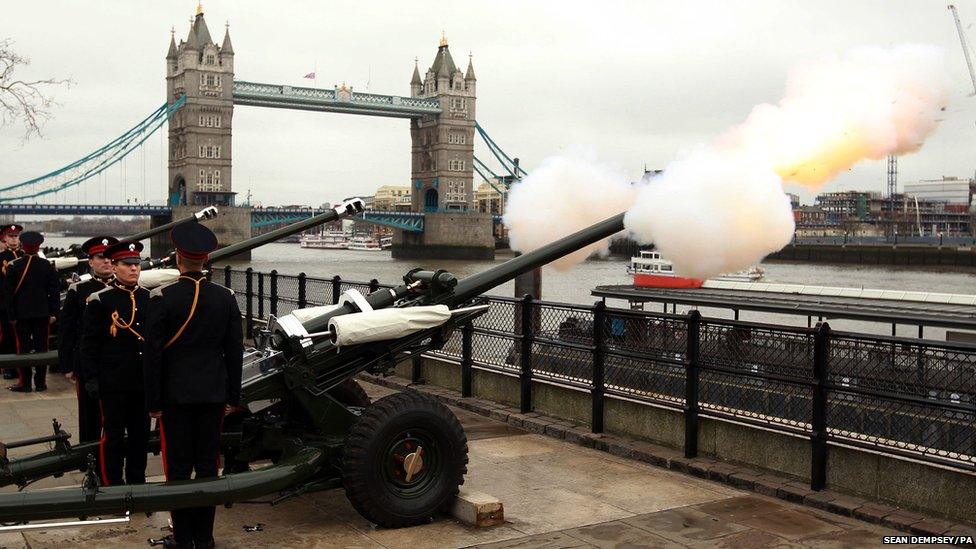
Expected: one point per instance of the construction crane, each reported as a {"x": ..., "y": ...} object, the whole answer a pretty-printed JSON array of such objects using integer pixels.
[{"x": 965, "y": 46}]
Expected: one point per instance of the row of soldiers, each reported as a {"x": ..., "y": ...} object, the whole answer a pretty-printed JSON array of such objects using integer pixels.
[{"x": 173, "y": 354}]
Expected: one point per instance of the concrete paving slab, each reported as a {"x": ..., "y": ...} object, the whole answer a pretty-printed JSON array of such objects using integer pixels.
[
  {"x": 742, "y": 507},
  {"x": 618, "y": 534},
  {"x": 685, "y": 524},
  {"x": 549, "y": 540},
  {"x": 501, "y": 450},
  {"x": 790, "y": 524},
  {"x": 555, "y": 494}
]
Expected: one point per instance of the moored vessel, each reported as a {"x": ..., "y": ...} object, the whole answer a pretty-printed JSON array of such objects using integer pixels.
[
  {"x": 650, "y": 270},
  {"x": 328, "y": 240}
]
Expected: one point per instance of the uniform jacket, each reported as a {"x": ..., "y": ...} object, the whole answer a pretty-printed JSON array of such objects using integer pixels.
[
  {"x": 30, "y": 288},
  {"x": 193, "y": 358},
  {"x": 72, "y": 313},
  {"x": 112, "y": 341},
  {"x": 6, "y": 257}
]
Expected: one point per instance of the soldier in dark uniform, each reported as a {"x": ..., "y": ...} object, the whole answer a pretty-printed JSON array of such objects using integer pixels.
[
  {"x": 10, "y": 238},
  {"x": 72, "y": 313},
  {"x": 30, "y": 289},
  {"x": 111, "y": 350},
  {"x": 194, "y": 356}
]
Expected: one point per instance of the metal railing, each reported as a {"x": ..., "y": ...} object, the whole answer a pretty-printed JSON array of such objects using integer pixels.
[{"x": 904, "y": 397}]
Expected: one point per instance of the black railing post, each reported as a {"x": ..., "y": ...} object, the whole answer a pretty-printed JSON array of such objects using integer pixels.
[
  {"x": 274, "y": 292},
  {"x": 818, "y": 436},
  {"x": 525, "y": 375},
  {"x": 692, "y": 380},
  {"x": 374, "y": 285},
  {"x": 336, "y": 288},
  {"x": 416, "y": 367},
  {"x": 249, "y": 302},
  {"x": 227, "y": 277},
  {"x": 261, "y": 295},
  {"x": 467, "y": 358},
  {"x": 599, "y": 356},
  {"x": 302, "y": 296}
]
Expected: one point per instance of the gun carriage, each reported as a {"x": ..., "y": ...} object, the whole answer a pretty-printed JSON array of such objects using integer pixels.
[{"x": 400, "y": 459}]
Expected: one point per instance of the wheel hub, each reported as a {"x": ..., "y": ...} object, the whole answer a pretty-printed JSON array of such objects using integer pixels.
[{"x": 411, "y": 463}]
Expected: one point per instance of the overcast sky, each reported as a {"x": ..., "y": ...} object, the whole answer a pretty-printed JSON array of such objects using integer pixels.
[{"x": 635, "y": 81}]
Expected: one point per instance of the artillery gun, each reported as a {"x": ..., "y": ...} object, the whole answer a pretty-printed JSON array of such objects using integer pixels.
[
  {"x": 69, "y": 257},
  {"x": 400, "y": 459}
]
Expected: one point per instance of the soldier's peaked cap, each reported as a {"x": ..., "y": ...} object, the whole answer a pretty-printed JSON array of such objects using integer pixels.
[
  {"x": 97, "y": 245},
  {"x": 125, "y": 252},
  {"x": 13, "y": 228},
  {"x": 31, "y": 239},
  {"x": 193, "y": 240}
]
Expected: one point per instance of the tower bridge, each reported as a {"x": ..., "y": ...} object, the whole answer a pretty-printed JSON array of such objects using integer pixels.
[
  {"x": 440, "y": 108},
  {"x": 202, "y": 94}
]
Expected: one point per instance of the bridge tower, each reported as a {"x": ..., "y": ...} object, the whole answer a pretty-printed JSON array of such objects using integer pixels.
[
  {"x": 442, "y": 170},
  {"x": 200, "y": 132}
]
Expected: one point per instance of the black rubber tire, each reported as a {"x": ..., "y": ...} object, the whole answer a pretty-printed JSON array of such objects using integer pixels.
[
  {"x": 366, "y": 465},
  {"x": 350, "y": 393}
]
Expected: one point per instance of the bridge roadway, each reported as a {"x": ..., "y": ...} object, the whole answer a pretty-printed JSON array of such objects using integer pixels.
[
  {"x": 555, "y": 495},
  {"x": 260, "y": 217},
  {"x": 340, "y": 100}
]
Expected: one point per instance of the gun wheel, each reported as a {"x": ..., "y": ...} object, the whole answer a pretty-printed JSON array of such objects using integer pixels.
[
  {"x": 404, "y": 460},
  {"x": 350, "y": 393}
]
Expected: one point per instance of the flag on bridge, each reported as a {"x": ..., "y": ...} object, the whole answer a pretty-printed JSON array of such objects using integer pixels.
[{"x": 310, "y": 75}]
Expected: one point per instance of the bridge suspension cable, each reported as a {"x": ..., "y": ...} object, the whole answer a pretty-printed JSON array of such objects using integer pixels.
[
  {"x": 510, "y": 166},
  {"x": 94, "y": 163},
  {"x": 479, "y": 166}
]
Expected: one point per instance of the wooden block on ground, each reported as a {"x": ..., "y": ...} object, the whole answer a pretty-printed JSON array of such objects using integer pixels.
[{"x": 477, "y": 509}]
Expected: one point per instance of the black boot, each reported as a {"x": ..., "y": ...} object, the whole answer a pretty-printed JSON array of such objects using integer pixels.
[{"x": 40, "y": 378}]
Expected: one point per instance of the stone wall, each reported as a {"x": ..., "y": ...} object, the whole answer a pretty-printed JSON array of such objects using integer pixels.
[
  {"x": 448, "y": 235},
  {"x": 899, "y": 482}
]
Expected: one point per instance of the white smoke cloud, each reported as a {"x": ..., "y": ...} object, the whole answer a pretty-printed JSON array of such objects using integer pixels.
[
  {"x": 866, "y": 104},
  {"x": 713, "y": 211},
  {"x": 721, "y": 207},
  {"x": 563, "y": 195}
]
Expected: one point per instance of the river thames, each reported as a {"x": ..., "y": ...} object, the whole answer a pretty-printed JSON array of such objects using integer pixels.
[{"x": 574, "y": 285}]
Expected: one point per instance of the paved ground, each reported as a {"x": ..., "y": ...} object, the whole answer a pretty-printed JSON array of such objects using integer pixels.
[{"x": 555, "y": 495}]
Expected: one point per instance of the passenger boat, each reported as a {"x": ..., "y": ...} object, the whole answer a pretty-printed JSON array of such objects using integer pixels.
[
  {"x": 329, "y": 240},
  {"x": 370, "y": 243},
  {"x": 650, "y": 270},
  {"x": 752, "y": 274}
]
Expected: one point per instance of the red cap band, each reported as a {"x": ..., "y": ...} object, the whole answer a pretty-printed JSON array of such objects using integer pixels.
[
  {"x": 193, "y": 256},
  {"x": 122, "y": 254},
  {"x": 95, "y": 250}
]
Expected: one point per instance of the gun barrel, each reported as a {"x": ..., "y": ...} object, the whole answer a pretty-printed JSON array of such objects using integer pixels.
[
  {"x": 346, "y": 209},
  {"x": 480, "y": 283},
  {"x": 209, "y": 212},
  {"x": 475, "y": 285}
]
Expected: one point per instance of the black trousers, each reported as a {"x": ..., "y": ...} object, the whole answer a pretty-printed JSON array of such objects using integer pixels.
[
  {"x": 89, "y": 414},
  {"x": 31, "y": 337},
  {"x": 191, "y": 444},
  {"x": 125, "y": 433},
  {"x": 8, "y": 345}
]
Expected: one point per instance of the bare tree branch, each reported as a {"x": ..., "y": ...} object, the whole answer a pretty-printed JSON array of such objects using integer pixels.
[{"x": 25, "y": 100}]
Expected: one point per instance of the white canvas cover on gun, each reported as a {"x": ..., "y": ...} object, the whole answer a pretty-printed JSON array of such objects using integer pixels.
[
  {"x": 157, "y": 277},
  {"x": 384, "y": 324}
]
